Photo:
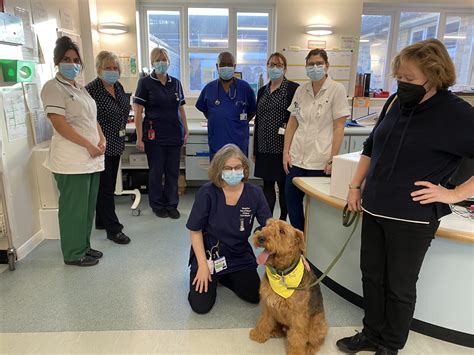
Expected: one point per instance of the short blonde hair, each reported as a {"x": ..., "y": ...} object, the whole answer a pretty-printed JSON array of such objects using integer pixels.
[
  {"x": 218, "y": 162},
  {"x": 103, "y": 57},
  {"x": 432, "y": 58},
  {"x": 156, "y": 53}
]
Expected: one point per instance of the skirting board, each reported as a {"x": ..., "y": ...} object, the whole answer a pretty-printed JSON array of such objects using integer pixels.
[
  {"x": 29, "y": 245},
  {"x": 49, "y": 223}
]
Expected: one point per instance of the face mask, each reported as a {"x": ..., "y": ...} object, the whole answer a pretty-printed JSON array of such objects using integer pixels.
[
  {"x": 233, "y": 177},
  {"x": 226, "y": 73},
  {"x": 69, "y": 70},
  {"x": 110, "y": 76},
  {"x": 409, "y": 94},
  {"x": 161, "y": 67},
  {"x": 316, "y": 72},
  {"x": 275, "y": 73}
]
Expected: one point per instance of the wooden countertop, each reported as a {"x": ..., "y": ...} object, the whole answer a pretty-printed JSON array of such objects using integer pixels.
[{"x": 452, "y": 226}]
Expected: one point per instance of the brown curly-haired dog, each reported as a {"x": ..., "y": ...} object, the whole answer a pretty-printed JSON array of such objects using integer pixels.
[{"x": 301, "y": 315}]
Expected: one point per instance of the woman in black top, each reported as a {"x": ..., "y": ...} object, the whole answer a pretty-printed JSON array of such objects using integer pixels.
[
  {"x": 113, "y": 107},
  {"x": 421, "y": 137},
  {"x": 272, "y": 115}
]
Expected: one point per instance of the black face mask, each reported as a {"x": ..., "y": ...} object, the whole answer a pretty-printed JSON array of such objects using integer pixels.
[{"x": 410, "y": 95}]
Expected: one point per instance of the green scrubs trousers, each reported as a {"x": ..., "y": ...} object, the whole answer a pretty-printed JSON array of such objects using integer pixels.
[{"x": 77, "y": 200}]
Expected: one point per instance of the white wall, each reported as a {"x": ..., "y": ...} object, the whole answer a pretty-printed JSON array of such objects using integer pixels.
[
  {"x": 121, "y": 11},
  {"x": 21, "y": 185},
  {"x": 343, "y": 15}
]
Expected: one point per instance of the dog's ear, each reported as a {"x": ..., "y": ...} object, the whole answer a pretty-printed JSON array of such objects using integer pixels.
[{"x": 300, "y": 240}]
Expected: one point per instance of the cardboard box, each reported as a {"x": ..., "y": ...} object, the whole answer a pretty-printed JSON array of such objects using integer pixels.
[
  {"x": 343, "y": 169},
  {"x": 138, "y": 159}
]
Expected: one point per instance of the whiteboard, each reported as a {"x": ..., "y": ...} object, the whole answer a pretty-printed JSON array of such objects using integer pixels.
[{"x": 339, "y": 65}]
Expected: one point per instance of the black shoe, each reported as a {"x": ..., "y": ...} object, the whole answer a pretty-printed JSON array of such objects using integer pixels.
[
  {"x": 356, "y": 343},
  {"x": 99, "y": 227},
  {"x": 86, "y": 260},
  {"x": 119, "y": 238},
  {"x": 173, "y": 213},
  {"x": 161, "y": 212},
  {"x": 94, "y": 253},
  {"x": 382, "y": 350}
]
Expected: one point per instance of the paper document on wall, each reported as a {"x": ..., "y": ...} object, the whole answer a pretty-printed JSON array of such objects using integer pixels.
[
  {"x": 42, "y": 128},
  {"x": 39, "y": 12},
  {"x": 128, "y": 65},
  {"x": 33, "y": 100},
  {"x": 67, "y": 20},
  {"x": 15, "y": 112},
  {"x": 30, "y": 48}
]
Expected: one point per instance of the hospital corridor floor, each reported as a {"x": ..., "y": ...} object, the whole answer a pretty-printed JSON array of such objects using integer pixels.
[{"x": 135, "y": 300}]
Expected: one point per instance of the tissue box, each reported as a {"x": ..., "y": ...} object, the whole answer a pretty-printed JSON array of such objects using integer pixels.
[
  {"x": 343, "y": 169},
  {"x": 138, "y": 159}
]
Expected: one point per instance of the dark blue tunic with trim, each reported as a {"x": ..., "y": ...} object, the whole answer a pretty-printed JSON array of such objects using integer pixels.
[
  {"x": 230, "y": 226},
  {"x": 161, "y": 103}
]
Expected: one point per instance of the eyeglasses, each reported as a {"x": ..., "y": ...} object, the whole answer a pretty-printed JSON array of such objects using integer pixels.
[
  {"x": 234, "y": 168},
  {"x": 273, "y": 65},
  {"x": 311, "y": 64}
]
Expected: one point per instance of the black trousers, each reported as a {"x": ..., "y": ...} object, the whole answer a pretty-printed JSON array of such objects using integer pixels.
[
  {"x": 391, "y": 256},
  {"x": 105, "y": 216},
  {"x": 270, "y": 195},
  {"x": 163, "y": 160},
  {"x": 244, "y": 283}
]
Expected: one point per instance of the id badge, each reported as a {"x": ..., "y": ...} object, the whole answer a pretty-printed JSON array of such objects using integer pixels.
[
  {"x": 210, "y": 265},
  {"x": 151, "y": 134},
  {"x": 122, "y": 133},
  {"x": 281, "y": 131},
  {"x": 243, "y": 117},
  {"x": 220, "y": 264}
]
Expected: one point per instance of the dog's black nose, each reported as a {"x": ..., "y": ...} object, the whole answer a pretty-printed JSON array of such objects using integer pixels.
[{"x": 261, "y": 239}]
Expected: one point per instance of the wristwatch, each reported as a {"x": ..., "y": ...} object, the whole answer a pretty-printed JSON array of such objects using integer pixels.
[{"x": 353, "y": 187}]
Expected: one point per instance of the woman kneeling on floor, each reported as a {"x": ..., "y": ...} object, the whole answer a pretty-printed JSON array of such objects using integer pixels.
[{"x": 220, "y": 225}]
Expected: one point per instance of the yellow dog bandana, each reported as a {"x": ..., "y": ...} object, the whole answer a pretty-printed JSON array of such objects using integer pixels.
[{"x": 280, "y": 283}]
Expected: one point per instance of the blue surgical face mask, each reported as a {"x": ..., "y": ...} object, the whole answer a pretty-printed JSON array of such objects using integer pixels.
[
  {"x": 110, "y": 76},
  {"x": 69, "y": 70},
  {"x": 233, "y": 177},
  {"x": 275, "y": 73},
  {"x": 316, "y": 72},
  {"x": 226, "y": 73},
  {"x": 161, "y": 67}
]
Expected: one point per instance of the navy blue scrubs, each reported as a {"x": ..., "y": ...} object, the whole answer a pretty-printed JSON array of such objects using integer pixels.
[
  {"x": 228, "y": 226},
  {"x": 162, "y": 103},
  {"x": 223, "y": 111}
]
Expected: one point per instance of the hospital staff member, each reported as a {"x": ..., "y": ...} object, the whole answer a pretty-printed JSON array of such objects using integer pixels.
[
  {"x": 315, "y": 130},
  {"x": 76, "y": 154},
  {"x": 228, "y": 104},
  {"x": 419, "y": 141},
  {"x": 161, "y": 132},
  {"x": 220, "y": 225},
  {"x": 113, "y": 108},
  {"x": 272, "y": 116}
]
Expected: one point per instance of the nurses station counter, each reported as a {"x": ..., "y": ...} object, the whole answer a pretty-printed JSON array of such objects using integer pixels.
[{"x": 445, "y": 289}]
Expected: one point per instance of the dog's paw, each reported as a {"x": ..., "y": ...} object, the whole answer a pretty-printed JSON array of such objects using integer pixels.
[{"x": 257, "y": 336}]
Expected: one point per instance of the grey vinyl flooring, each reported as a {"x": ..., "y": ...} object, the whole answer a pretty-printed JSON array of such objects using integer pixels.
[{"x": 140, "y": 286}]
